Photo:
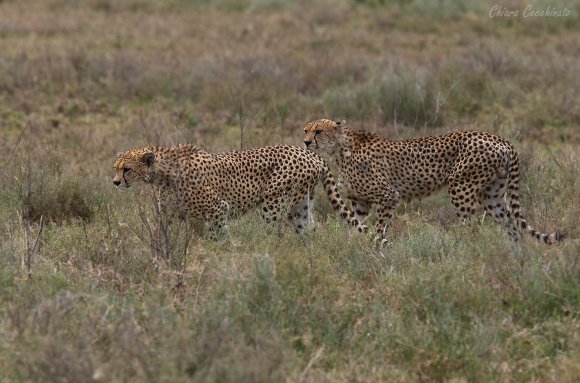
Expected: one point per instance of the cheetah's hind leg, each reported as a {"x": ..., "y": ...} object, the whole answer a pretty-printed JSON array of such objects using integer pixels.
[
  {"x": 493, "y": 200},
  {"x": 301, "y": 212},
  {"x": 385, "y": 207}
]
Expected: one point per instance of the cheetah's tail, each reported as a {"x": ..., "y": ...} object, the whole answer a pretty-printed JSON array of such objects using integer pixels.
[
  {"x": 514, "y": 205},
  {"x": 336, "y": 201}
]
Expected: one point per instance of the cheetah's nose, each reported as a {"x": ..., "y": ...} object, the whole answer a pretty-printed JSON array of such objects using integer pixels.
[
  {"x": 307, "y": 143},
  {"x": 117, "y": 183}
]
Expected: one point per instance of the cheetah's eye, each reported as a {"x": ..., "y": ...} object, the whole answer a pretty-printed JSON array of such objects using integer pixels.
[
  {"x": 318, "y": 131},
  {"x": 125, "y": 170}
]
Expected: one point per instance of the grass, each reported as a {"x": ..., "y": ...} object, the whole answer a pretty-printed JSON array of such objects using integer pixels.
[{"x": 88, "y": 293}]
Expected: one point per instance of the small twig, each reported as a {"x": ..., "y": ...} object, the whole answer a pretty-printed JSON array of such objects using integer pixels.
[
  {"x": 317, "y": 355},
  {"x": 422, "y": 99},
  {"x": 553, "y": 157},
  {"x": 19, "y": 140},
  {"x": 197, "y": 286},
  {"x": 144, "y": 127},
  {"x": 396, "y": 113},
  {"x": 281, "y": 118},
  {"x": 31, "y": 251},
  {"x": 440, "y": 102},
  {"x": 108, "y": 216},
  {"x": 240, "y": 108}
]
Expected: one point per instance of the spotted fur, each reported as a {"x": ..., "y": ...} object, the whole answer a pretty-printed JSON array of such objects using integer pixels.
[
  {"x": 197, "y": 184},
  {"x": 479, "y": 169}
]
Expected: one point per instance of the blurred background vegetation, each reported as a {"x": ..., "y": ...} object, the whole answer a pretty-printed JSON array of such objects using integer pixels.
[{"x": 94, "y": 286}]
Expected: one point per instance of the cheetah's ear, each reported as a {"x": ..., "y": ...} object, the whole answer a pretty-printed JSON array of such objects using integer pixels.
[
  {"x": 148, "y": 158},
  {"x": 339, "y": 125}
]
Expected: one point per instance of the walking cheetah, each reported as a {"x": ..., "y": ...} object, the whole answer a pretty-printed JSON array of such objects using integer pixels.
[
  {"x": 478, "y": 167},
  {"x": 197, "y": 184}
]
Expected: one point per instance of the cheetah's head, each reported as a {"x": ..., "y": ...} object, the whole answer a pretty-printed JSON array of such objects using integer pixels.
[
  {"x": 131, "y": 167},
  {"x": 323, "y": 135}
]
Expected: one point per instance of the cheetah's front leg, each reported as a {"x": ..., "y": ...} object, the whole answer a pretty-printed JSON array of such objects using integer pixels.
[
  {"x": 360, "y": 209},
  {"x": 217, "y": 217},
  {"x": 205, "y": 203}
]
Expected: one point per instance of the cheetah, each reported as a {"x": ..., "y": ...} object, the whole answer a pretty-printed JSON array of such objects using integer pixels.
[
  {"x": 210, "y": 186},
  {"x": 478, "y": 168}
]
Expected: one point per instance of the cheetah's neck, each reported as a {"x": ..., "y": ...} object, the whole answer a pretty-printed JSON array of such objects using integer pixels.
[
  {"x": 346, "y": 144},
  {"x": 172, "y": 163}
]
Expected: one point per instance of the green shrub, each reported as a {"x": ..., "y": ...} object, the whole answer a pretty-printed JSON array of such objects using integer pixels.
[{"x": 393, "y": 96}]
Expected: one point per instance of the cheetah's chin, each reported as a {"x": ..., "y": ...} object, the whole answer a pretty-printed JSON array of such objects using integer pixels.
[{"x": 123, "y": 189}]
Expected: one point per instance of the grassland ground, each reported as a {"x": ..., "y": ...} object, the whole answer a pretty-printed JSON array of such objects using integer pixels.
[{"x": 93, "y": 287}]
